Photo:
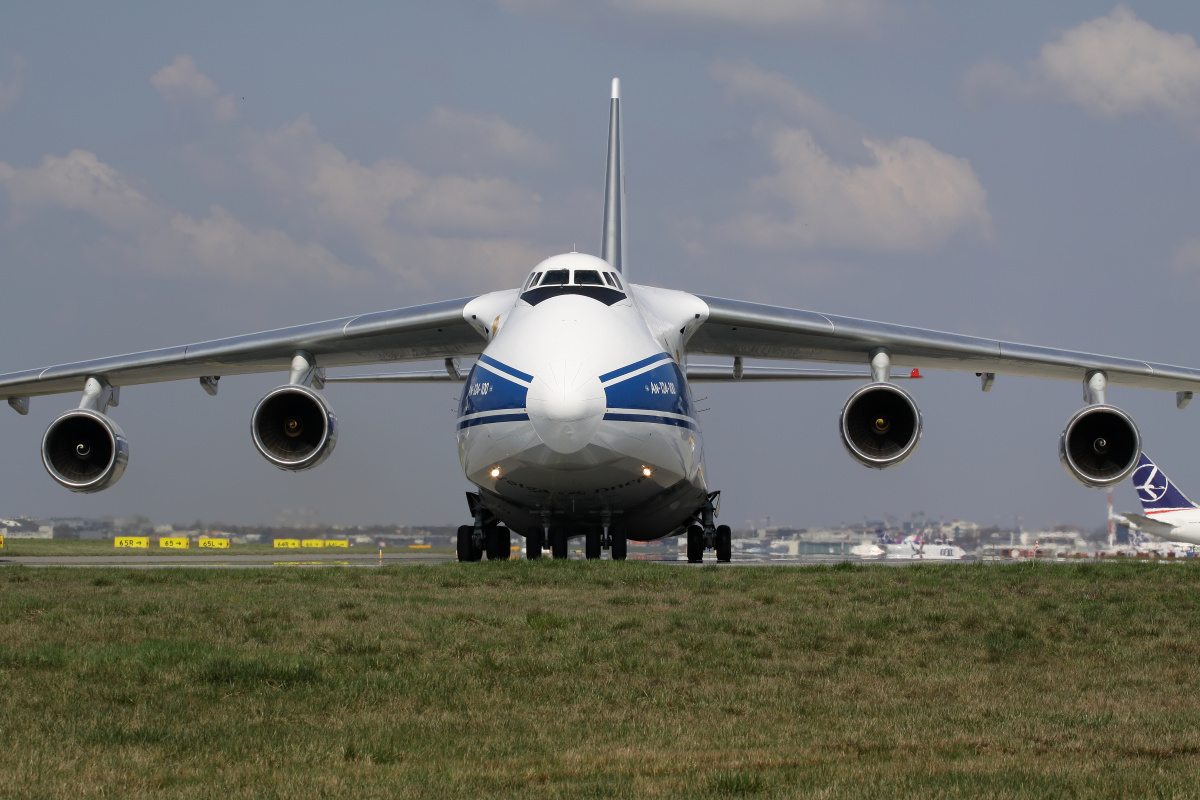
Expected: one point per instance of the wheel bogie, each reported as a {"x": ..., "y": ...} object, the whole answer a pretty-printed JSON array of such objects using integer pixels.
[
  {"x": 559, "y": 541},
  {"x": 467, "y": 551},
  {"x": 724, "y": 544},
  {"x": 695, "y": 544},
  {"x": 620, "y": 545},
  {"x": 498, "y": 542},
  {"x": 533, "y": 545}
]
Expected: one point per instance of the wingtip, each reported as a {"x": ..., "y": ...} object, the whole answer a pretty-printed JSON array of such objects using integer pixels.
[{"x": 616, "y": 89}]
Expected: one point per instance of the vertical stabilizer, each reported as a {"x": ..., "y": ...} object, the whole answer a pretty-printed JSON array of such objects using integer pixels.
[
  {"x": 612, "y": 244},
  {"x": 1155, "y": 489}
]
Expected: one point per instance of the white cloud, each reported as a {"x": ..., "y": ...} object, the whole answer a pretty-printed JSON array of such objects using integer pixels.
[
  {"x": 754, "y": 14},
  {"x": 10, "y": 87},
  {"x": 764, "y": 13},
  {"x": 399, "y": 216},
  {"x": 745, "y": 80},
  {"x": 911, "y": 197},
  {"x": 81, "y": 182},
  {"x": 1187, "y": 258},
  {"x": 478, "y": 141},
  {"x": 1109, "y": 66},
  {"x": 220, "y": 245},
  {"x": 1120, "y": 65},
  {"x": 901, "y": 195},
  {"x": 180, "y": 81},
  {"x": 149, "y": 238}
]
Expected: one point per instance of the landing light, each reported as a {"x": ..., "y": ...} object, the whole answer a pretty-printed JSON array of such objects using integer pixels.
[
  {"x": 495, "y": 472},
  {"x": 646, "y": 471}
]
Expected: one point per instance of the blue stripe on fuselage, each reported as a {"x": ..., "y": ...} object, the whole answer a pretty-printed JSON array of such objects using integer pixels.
[
  {"x": 468, "y": 423},
  {"x": 654, "y": 420},
  {"x": 663, "y": 388},
  {"x": 516, "y": 373},
  {"x": 616, "y": 373},
  {"x": 489, "y": 391}
]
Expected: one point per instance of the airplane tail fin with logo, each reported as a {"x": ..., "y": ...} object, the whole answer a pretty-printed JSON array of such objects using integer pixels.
[
  {"x": 612, "y": 244},
  {"x": 1155, "y": 490}
]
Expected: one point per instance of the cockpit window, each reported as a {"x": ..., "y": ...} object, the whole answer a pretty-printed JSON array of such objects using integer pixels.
[
  {"x": 556, "y": 277},
  {"x": 588, "y": 277},
  {"x": 618, "y": 282},
  {"x": 608, "y": 279},
  {"x": 533, "y": 279}
]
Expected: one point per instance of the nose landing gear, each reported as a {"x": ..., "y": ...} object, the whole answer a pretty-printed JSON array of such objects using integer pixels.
[{"x": 608, "y": 537}]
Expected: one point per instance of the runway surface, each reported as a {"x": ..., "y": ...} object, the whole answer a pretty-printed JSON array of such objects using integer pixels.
[{"x": 374, "y": 560}]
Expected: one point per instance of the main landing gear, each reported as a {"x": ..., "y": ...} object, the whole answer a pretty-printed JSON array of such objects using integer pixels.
[
  {"x": 708, "y": 534},
  {"x": 485, "y": 536}
]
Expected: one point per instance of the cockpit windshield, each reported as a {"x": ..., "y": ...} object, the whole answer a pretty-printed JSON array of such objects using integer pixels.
[
  {"x": 588, "y": 277},
  {"x": 599, "y": 284}
]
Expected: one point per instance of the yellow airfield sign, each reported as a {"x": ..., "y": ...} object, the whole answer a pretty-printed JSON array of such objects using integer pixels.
[
  {"x": 287, "y": 544},
  {"x": 313, "y": 543},
  {"x": 211, "y": 542},
  {"x": 337, "y": 542},
  {"x": 132, "y": 541},
  {"x": 174, "y": 542}
]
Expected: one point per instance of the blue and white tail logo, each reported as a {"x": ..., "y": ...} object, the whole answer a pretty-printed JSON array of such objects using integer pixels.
[{"x": 1155, "y": 489}]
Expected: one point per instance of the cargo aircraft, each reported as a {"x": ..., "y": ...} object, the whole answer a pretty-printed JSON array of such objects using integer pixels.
[{"x": 577, "y": 417}]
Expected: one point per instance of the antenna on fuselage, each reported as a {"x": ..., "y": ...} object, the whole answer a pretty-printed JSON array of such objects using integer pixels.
[{"x": 612, "y": 243}]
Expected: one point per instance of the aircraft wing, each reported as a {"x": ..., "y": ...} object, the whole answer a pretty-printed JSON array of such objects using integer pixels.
[
  {"x": 750, "y": 330},
  {"x": 437, "y": 330}
]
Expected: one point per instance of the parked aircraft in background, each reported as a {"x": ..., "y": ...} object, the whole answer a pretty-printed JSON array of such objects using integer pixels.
[
  {"x": 577, "y": 418},
  {"x": 1169, "y": 514}
]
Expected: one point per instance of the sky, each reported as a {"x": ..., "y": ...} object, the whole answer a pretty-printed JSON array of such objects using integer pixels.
[{"x": 172, "y": 173}]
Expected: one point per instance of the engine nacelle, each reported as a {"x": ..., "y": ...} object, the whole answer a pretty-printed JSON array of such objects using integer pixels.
[
  {"x": 294, "y": 427},
  {"x": 880, "y": 425},
  {"x": 85, "y": 451},
  {"x": 1100, "y": 446}
]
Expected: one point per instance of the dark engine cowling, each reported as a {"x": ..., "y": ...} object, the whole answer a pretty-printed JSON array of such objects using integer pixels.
[
  {"x": 294, "y": 428},
  {"x": 85, "y": 451},
  {"x": 1100, "y": 446},
  {"x": 880, "y": 425}
]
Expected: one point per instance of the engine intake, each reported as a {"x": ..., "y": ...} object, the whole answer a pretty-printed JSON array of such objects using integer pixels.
[
  {"x": 85, "y": 451},
  {"x": 294, "y": 428},
  {"x": 880, "y": 425},
  {"x": 1100, "y": 446}
]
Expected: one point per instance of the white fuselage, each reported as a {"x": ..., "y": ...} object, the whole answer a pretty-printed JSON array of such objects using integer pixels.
[
  {"x": 1185, "y": 525},
  {"x": 578, "y": 411}
]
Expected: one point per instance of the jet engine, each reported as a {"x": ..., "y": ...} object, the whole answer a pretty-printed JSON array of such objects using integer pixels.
[
  {"x": 880, "y": 425},
  {"x": 1100, "y": 446},
  {"x": 294, "y": 427},
  {"x": 85, "y": 451}
]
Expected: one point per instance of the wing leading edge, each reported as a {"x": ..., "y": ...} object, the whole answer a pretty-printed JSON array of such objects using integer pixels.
[
  {"x": 434, "y": 331},
  {"x": 751, "y": 330}
]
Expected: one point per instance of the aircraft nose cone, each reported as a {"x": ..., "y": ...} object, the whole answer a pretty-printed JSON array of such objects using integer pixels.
[{"x": 566, "y": 404}]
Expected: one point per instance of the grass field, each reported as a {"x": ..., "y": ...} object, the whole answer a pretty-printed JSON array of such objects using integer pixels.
[{"x": 552, "y": 679}]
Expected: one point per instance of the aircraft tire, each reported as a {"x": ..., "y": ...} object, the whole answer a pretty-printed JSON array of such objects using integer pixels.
[
  {"x": 559, "y": 543},
  {"x": 620, "y": 545},
  {"x": 724, "y": 544},
  {"x": 466, "y": 548},
  {"x": 592, "y": 546},
  {"x": 499, "y": 543},
  {"x": 695, "y": 544},
  {"x": 533, "y": 545}
]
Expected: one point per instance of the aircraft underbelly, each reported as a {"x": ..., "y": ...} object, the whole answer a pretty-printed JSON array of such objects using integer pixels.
[{"x": 508, "y": 461}]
